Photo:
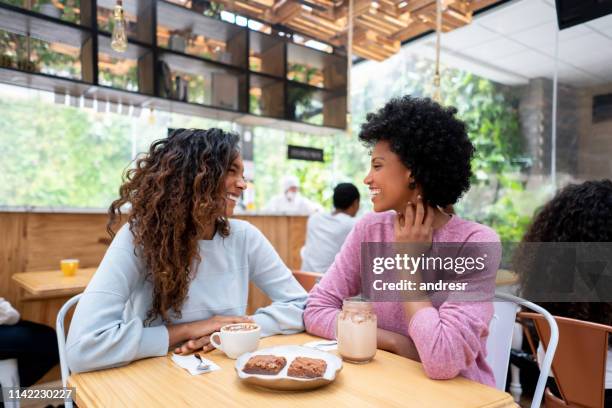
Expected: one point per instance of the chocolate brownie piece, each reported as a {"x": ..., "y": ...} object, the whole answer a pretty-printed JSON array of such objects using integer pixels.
[
  {"x": 304, "y": 367},
  {"x": 265, "y": 364}
]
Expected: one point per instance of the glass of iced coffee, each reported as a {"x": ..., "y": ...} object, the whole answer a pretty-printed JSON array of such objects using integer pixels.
[{"x": 356, "y": 330}]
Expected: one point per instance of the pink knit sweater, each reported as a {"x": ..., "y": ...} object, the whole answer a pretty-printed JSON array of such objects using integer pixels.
[{"x": 450, "y": 336}]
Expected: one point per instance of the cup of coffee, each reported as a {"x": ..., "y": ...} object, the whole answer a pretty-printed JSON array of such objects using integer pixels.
[
  {"x": 236, "y": 339},
  {"x": 69, "y": 267}
]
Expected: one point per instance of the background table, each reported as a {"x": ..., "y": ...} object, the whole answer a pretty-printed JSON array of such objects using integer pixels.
[
  {"x": 42, "y": 293},
  {"x": 49, "y": 284},
  {"x": 506, "y": 277},
  {"x": 389, "y": 381}
]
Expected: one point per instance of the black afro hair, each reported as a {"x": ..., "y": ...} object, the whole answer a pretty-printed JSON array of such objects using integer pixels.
[{"x": 429, "y": 140}]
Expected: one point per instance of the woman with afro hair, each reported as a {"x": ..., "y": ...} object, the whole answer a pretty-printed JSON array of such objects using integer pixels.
[
  {"x": 420, "y": 165},
  {"x": 179, "y": 268}
]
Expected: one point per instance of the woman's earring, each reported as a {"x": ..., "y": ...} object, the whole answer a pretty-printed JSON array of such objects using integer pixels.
[{"x": 412, "y": 185}]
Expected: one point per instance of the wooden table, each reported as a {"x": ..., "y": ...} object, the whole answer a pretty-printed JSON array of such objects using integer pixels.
[
  {"x": 389, "y": 381},
  {"x": 51, "y": 284},
  {"x": 506, "y": 277}
]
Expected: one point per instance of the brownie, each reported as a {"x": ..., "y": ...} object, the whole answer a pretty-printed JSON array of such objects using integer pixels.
[
  {"x": 304, "y": 367},
  {"x": 265, "y": 364}
]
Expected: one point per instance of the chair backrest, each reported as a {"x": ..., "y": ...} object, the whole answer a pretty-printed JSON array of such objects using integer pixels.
[
  {"x": 579, "y": 365},
  {"x": 61, "y": 341},
  {"x": 307, "y": 279},
  {"x": 499, "y": 341},
  {"x": 9, "y": 377},
  {"x": 552, "y": 343}
]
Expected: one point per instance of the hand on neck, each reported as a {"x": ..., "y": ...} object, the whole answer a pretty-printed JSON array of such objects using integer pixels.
[{"x": 440, "y": 217}]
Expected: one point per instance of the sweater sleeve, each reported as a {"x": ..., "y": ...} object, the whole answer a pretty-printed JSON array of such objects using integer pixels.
[
  {"x": 450, "y": 338},
  {"x": 269, "y": 273},
  {"x": 341, "y": 281},
  {"x": 99, "y": 336},
  {"x": 8, "y": 314}
]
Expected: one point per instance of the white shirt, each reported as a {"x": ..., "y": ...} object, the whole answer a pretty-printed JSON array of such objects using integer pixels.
[
  {"x": 107, "y": 329},
  {"x": 325, "y": 234},
  {"x": 299, "y": 205},
  {"x": 8, "y": 315}
]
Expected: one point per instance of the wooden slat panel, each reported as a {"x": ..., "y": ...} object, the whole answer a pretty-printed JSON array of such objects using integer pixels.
[
  {"x": 297, "y": 239},
  {"x": 42, "y": 311},
  {"x": 53, "y": 237},
  {"x": 13, "y": 247}
]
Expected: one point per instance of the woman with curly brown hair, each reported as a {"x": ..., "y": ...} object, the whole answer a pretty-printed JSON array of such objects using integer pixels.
[{"x": 179, "y": 269}]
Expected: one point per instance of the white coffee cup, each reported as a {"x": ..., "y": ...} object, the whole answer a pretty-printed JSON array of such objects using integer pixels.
[{"x": 237, "y": 339}]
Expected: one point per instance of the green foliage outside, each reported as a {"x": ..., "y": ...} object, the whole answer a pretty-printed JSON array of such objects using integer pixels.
[
  {"x": 498, "y": 197},
  {"x": 60, "y": 156},
  {"x": 56, "y": 155}
]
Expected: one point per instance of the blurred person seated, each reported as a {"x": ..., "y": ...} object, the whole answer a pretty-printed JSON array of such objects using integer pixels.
[
  {"x": 326, "y": 232},
  {"x": 290, "y": 201},
  {"x": 34, "y": 345},
  {"x": 577, "y": 213}
]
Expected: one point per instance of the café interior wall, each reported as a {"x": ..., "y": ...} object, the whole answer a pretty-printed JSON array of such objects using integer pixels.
[
  {"x": 583, "y": 149},
  {"x": 595, "y": 147}
]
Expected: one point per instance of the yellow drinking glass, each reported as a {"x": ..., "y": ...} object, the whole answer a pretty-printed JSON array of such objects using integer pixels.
[{"x": 69, "y": 267}]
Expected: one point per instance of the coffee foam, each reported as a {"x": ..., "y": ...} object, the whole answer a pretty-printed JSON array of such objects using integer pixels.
[{"x": 240, "y": 327}]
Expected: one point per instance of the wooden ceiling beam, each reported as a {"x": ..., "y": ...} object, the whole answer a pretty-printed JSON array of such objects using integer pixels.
[
  {"x": 380, "y": 25},
  {"x": 414, "y": 29},
  {"x": 312, "y": 28},
  {"x": 377, "y": 25},
  {"x": 287, "y": 11}
]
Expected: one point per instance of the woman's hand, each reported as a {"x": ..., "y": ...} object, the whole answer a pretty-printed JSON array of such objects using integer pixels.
[
  {"x": 196, "y": 334},
  {"x": 201, "y": 344},
  {"x": 203, "y": 328},
  {"x": 415, "y": 225}
]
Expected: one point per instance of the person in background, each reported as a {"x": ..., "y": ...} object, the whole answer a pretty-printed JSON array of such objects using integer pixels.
[
  {"x": 290, "y": 201},
  {"x": 326, "y": 232},
  {"x": 34, "y": 345},
  {"x": 179, "y": 268},
  {"x": 577, "y": 213}
]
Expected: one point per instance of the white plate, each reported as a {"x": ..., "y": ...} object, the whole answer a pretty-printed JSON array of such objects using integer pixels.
[{"x": 282, "y": 381}]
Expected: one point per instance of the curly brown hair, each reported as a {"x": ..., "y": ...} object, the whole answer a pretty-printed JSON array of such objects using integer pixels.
[
  {"x": 176, "y": 192},
  {"x": 577, "y": 213}
]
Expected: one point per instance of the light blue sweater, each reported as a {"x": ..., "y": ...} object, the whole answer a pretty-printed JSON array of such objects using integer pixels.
[{"x": 107, "y": 328}]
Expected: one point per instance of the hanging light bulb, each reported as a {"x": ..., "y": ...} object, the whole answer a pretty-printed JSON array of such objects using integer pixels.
[
  {"x": 119, "y": 41},
  {"x": 437, "y": 93},
  {"x": 349, "y": 68}
]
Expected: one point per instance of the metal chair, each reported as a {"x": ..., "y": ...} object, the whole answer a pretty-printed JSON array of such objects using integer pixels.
[
  {"x": 61, "y": 342},
  {"x": 501, "y": 330},
  {"x": 9, "y": 378}
]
